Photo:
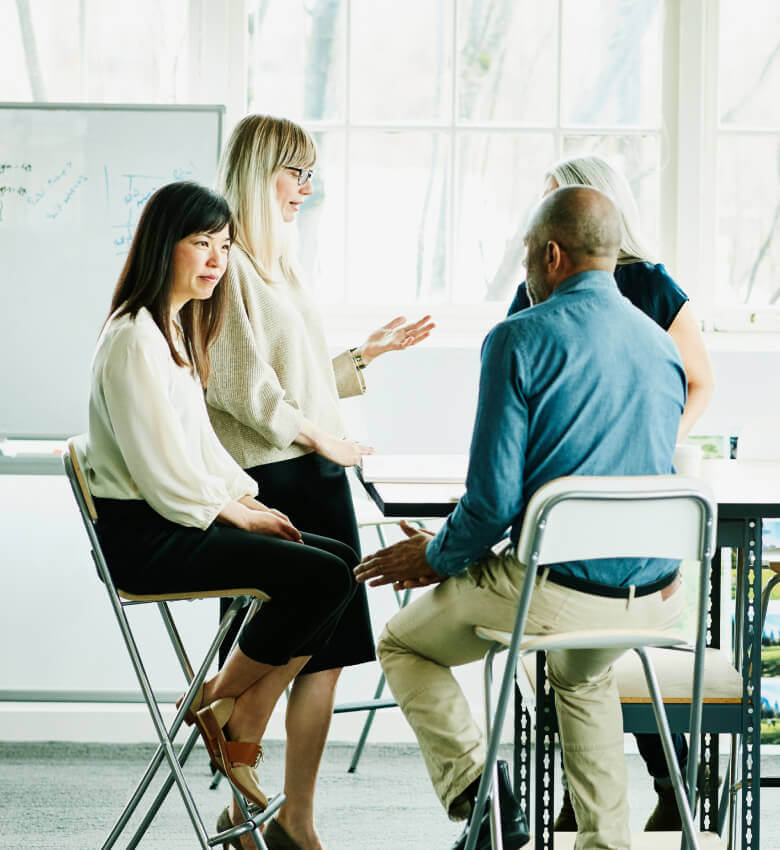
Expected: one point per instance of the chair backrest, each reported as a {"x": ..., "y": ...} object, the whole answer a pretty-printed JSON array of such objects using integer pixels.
[
  {"x": 78, "y": 481},
  {"x": 579, "y": 517}
]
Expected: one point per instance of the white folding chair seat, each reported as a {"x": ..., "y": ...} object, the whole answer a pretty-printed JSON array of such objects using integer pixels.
[
  {"x": 120, "y": 600},
  {"x": 586, "y": 517}
]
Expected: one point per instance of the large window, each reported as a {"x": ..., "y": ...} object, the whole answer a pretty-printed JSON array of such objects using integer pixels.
[
  {"x": 92, "y": 50},
  {"x": 748, "y": 164},
  {"x": 435, "y": 121}
]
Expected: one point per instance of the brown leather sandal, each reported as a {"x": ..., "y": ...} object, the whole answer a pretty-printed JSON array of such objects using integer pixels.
[
  {"x": 236, "y": 759},
  {"x": 218, "y": 714},
  {"x": 195, "y": 705}
]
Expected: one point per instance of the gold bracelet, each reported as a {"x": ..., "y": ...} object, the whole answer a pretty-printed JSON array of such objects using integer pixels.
[{"x": 357, "y": 358}]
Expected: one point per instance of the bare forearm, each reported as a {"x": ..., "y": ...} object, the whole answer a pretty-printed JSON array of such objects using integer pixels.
[
  {"x": 235, "y": 513},
  {"x": 699, "y": 397}
]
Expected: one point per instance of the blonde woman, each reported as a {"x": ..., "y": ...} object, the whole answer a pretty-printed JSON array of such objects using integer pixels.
[
  {"x": 651, "y": 289},
  {"x": 273, "y": 399}
]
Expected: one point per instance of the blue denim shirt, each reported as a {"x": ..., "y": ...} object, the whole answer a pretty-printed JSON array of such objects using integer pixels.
[{"x": 581, "y": 384}]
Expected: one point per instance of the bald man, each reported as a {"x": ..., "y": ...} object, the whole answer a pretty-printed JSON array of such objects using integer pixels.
[{"x": 582, "y": 383}]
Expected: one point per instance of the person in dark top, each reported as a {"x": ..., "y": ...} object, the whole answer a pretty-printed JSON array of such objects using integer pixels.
[{"x": 650, "y": 288}]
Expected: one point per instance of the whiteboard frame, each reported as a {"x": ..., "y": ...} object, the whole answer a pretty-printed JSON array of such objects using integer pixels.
[{"x": 9, "y": 465}]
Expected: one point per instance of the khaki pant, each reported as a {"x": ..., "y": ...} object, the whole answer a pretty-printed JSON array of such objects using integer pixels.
[{"x": 436, "y": 632}]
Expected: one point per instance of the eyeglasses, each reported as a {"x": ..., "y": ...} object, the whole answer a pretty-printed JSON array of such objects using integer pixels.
[{"x": 304, "y": 174}]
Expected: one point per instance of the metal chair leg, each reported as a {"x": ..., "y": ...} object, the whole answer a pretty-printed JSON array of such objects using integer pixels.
[
  {"x": 403, "y": 601},
  {"x": 495, "y": 803},
  {"x": 683, "y": 803}
]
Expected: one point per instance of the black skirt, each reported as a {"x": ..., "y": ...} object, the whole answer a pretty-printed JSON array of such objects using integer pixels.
[
  {"x": 315, "y": 495},
  {"x": 310, "y": 585}
]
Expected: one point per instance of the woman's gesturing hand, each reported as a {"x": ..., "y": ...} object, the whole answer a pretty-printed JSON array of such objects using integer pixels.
[{"x": 394, "y": 336}]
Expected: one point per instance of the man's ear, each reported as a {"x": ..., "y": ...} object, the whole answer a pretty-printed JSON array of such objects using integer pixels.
[{"x": 552, "y": 256}]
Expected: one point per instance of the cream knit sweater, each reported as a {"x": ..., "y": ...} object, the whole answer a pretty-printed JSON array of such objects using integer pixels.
[{"x": 270, "y": 368}]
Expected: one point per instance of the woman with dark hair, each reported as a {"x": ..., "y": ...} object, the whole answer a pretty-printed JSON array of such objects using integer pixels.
[{"x": 176, "y": 512}]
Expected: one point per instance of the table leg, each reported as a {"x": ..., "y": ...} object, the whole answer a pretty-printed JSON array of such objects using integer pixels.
[
  {"x": 708, "y": 786},
  {"x": 751, "y": 679},
  {"x": 521, "y": 778},
  {"x": 708, "y": 782},
  {"x": 544, "y": 814}
]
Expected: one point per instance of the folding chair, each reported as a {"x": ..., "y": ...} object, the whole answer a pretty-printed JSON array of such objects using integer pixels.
[
  {"x": 585, "y": 517},
  {"x": 120, "y": 600}
]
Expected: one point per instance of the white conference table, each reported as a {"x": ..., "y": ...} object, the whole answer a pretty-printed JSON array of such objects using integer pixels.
[{"x": 746, "y": 492}]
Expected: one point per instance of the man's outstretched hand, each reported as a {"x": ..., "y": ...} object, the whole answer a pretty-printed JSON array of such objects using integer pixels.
[{"x": 403, "y": 564}]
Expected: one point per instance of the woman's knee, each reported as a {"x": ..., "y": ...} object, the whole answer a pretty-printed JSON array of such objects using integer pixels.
[{"x": 334, "y": 581}]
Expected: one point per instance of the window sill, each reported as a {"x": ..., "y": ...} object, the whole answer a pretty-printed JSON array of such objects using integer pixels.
[{"x": 466, "y": 327}]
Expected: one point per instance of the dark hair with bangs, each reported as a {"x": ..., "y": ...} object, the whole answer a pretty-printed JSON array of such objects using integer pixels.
[{"x": 172, "y": 213}]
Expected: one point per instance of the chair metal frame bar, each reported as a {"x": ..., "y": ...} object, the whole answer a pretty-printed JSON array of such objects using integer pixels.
[
  {"x": 706, "y": 548},
  {"x": 372, "y": 705},
  {"x": 165, "y": 748}
]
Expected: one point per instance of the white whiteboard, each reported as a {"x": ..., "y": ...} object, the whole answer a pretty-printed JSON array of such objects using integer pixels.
[{"x": 73, "y": 180}]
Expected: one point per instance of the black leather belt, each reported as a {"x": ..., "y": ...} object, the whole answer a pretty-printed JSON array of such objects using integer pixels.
[{"x": 593, "y": 587}]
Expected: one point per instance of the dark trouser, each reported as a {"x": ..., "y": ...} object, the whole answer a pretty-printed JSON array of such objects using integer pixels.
[
  {"x": 652, "y": 751},
  {"x": 310, "y": 584},
  {"x": 315, "y": 495}
]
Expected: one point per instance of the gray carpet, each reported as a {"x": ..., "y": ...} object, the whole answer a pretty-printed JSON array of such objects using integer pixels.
[{"x": 68, "y": 795}]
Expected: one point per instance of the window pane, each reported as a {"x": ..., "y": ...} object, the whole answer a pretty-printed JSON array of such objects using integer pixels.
[
  {"x": 507, "y": 68},
  {"x": 748, "y": 247},
  {"x": 401, "y": 60},
  {"x": 398, "y": 217},
  {"x": 500, "y": 179},
  {"x": 14, "y": 71},
  {"x": 321, "y": 222},
  {"x": 296, "y": 58},
  {"x": 610, "y": 62},
  {"x": 749, "y": 61},
  {"x": 637, "y": 158},
  {"x": 41, "y": 57},
  {"x": 151, "y": 65}
]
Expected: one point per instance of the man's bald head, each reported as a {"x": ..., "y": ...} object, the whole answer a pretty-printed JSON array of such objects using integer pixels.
[{"x": 574, "y": 229}]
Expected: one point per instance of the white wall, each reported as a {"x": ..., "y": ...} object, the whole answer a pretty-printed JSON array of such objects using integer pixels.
[{"x": 56, "y": 628}]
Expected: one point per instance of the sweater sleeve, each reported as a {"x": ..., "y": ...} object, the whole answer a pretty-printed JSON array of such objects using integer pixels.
[
  {"x": 150, "y": 436},
  {"x": 241, "y": 382},
  {"x": 349, "y": 379}
]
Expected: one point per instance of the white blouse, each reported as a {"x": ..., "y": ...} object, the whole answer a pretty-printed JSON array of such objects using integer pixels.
[{"x": 149, "y": 434}]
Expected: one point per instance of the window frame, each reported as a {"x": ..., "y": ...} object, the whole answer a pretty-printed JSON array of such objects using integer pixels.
[{"x": 688, "y": 155}]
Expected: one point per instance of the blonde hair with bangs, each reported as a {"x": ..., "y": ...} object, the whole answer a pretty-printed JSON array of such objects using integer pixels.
[
  {"x": 597, "y": 172},
  {"x": 259, "y": 147}
]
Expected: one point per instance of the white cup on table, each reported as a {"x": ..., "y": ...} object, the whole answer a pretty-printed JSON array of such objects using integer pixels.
[{"x": 687, "y": 460}]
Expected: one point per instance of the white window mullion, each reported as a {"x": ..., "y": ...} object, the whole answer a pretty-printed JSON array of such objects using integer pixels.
[
  {"x": 347, "y": 290},
  {"x": 697, "y": 152},
  {"x": 454, "y": 139},
  {"x": 558, "y": 135},
  {"x": 669, "y": 146}
]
